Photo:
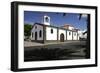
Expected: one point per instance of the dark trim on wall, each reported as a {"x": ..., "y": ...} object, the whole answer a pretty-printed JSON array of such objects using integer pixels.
[
  {"x": 50, "y": 41},
  {"x": 70, "y": 40},
  {"x": 77, "y": 35},
  {"x": 39, "y": 41},
  {"x": 72, "y": 35},
  {"x": 66, "y": 34},
  {"x": 44, "y": 34},
  {"x": 57, "y": 33}
]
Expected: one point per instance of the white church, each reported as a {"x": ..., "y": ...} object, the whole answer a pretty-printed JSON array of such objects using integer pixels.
[{"x": 45, "y": 32}]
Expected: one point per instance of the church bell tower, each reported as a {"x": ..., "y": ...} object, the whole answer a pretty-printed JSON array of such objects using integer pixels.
[{"x": 46, "y": 20}]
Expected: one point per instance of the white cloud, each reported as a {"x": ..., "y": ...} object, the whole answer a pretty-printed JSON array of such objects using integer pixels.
[
  {"x": 84, "y": 15},
  {"x": 27, "y": 22}
]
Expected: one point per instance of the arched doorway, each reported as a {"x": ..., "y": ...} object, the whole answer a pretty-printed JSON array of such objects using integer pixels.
[
  {"x": 35, "y": 35},
  {"x": 61, "y": 37}
]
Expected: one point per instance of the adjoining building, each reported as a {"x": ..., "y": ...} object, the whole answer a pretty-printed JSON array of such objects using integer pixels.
[{"x": 45, "y": 32}]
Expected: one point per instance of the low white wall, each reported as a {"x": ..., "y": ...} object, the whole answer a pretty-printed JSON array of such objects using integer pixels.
[
  {"x": 75, "y": 36},
  {"x": 69, "y": 37},
  {"x": 49, "y": 35}
]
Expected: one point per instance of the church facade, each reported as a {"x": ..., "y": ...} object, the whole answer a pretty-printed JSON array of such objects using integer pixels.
[{"x": 45, "y": 32}]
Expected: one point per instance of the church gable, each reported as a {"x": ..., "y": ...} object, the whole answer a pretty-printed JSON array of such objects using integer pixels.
[{"x": 37, "y": 32}]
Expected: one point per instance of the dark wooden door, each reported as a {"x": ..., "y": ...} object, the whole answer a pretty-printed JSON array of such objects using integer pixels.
[
  {"x": 35, "y": 35},
  {"x": 62, "y": 37}
]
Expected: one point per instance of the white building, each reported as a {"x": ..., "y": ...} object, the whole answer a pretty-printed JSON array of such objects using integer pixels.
[
  {"x": 82, "y": 34},
  {"x": 44, "y": 32}
]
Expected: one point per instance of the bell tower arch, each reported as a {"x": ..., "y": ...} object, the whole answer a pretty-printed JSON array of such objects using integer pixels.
[{"x": 46, "y": 20}]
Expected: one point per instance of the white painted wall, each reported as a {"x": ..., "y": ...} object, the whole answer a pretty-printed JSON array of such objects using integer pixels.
[
  {"x": 85, "y": 35},
  {"x": 49, "y": 35},
  {"x": 69, "y": 37},
  {"x": 70, "y": 28},
  {"x": 75, "y": 36},
  {"x": 60, "y": 32},
  {"x": 39, "y": 27},
  {"x": 81, "y": 34}
]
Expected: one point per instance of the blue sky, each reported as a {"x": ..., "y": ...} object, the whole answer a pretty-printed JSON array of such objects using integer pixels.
[{"x": 32, "y": 17}]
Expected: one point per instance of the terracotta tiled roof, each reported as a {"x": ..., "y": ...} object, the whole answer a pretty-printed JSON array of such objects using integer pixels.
[
  {"x": 67, "y": 25},
  {"x": 76, "y": 29},
  {"x": 56, "y": 26}
]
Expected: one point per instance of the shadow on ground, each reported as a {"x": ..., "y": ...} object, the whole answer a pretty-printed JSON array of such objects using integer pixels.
[{"x": 64, "y": 52}]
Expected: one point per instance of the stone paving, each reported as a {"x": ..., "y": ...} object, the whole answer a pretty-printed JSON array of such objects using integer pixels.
[
  {"x": 75, "y": 48},
  {"x": 29, "y": 43}
]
